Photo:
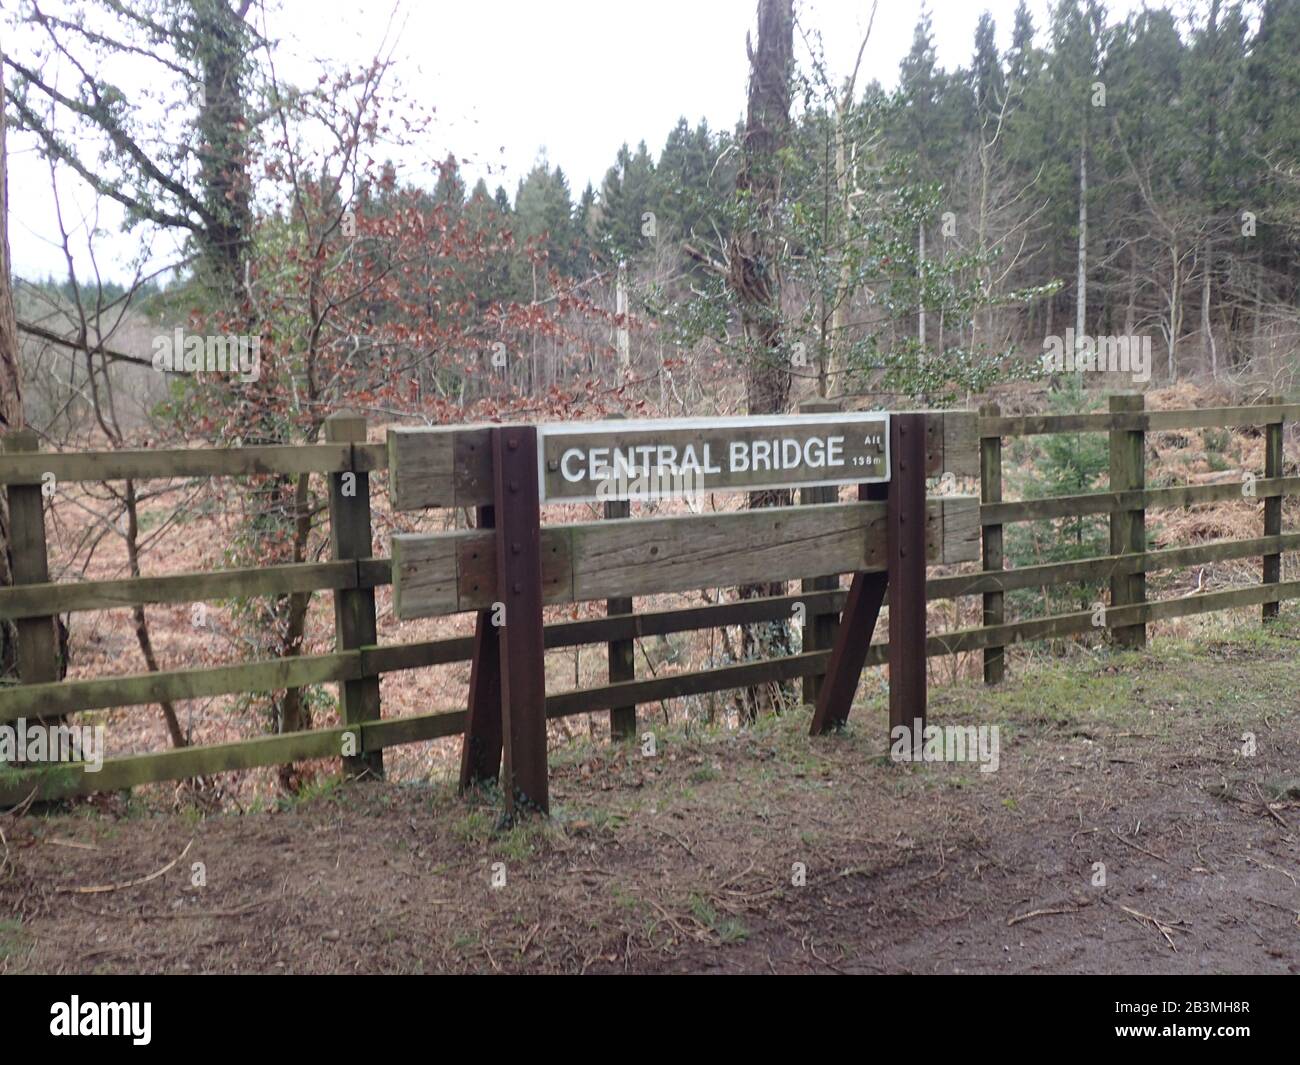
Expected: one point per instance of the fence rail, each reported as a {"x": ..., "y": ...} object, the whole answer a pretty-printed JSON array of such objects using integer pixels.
[{"x": 359, "y": 661}]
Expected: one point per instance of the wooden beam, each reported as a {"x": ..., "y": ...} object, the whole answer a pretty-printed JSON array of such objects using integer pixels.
[
  {"x": 445, "y": 466},
  {"x": 620, "y": 655},
  {"x": 1073, "y": 506},
  {"x": 271, "y": 750},
  {"x": 906, "y": 545},
  {"x": 354, "y": 607},
  {"x": 849, "y": 652},
  {"x": 1128, "y": 527},
  {"x": 450, "y": 466},
  {"x": 1274, "y": 435},
  {"x": 167, "y": 463},
  {"x": 1144, "y": 421},
  {"x": 519, "y": 585},
  {"x": 480, "y": 751},
  {"x": 1105, "y": 566},
  {"x": 818, "y": 629},
  {"x": 38, "y": 639},
  {"x": 192, "y": 587},
  {"x": 120, "y": 774},
  {"x": 991, "y": 492},
  {"x": 445, "y": 573},
  {"x": 64, "y": 697}
]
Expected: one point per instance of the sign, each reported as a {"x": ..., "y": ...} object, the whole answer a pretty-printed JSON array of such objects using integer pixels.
[{"x": 587, "y": 462}]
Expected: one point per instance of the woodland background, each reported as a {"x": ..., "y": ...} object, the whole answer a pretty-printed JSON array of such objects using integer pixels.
[{"x": 1136, "y": 177}]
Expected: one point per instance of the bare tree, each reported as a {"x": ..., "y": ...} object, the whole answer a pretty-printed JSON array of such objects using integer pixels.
[
  {"x": 11, "y": 396},
  {"x": 754, "y": 275}
]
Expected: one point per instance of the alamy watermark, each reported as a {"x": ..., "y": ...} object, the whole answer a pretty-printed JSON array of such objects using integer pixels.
[
  {"x": 650, "y": 484},
  {"x": 214, "y": 353},
  {"x": 77, "y": 1018},
  {"x": 919, "y": 742},
  {"x": 1088, "y": 354},
  {"x": 24, "y": 742}
]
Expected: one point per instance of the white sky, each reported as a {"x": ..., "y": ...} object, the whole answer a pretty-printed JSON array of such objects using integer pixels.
[{"x": 510, "y": 79}]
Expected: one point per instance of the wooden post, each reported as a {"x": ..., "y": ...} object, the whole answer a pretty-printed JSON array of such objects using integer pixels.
[
  {"x": 849, "y": 655},
  {"x": 1128, "y": 527},
  {"x": 480, "y": 753},
  {"x": 38, "y": 641},
  {"x": 991, "y": 541},
  {"x": 819, "y": 629},
  {"x": 354, "y": 608},
  {"x": 903, "y": 581},
  {"x": 622, "y": 653},
  {"x": 1274, "y": 435},
  {"x": 519, "y": 586},
  {"x": 907, "y": 603}
]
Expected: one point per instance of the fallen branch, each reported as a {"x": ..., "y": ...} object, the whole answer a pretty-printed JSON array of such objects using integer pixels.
[
  {"x": 99, "y": 889},
  {"x": 1139, "y": 847},
  {"x": 1164, "y": 929},
  {"x": 1036, "y": 913}
]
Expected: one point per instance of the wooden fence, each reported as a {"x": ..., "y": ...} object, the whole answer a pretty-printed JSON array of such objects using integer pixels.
[{"x": 352, "y": 574}]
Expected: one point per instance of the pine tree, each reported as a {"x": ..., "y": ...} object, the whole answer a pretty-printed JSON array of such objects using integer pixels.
[{"x": 626, "y": 195}]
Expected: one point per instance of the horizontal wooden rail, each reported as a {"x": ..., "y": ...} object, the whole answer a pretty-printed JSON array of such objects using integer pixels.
[
  {"x": 166, "y": 463},
  {"x": 67, "y": 696},
  {"x": 136, "y": 689},
  {"x": 118, "y": 773},
  {"x": 1149, "y": 421},
  {"x": 445, "y": 573},
  {"x": 1100, "y": 569},
  {"x": 1116, "y": 617},
  {"x": 31, "y": 700},
  {"x": 61, "y": 597},
  {"x": 1073, "y": 506},
  {"x": 676, "y": 685}
]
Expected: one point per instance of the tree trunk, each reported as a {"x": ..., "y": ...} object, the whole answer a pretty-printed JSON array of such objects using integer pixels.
[
  {"x": 1081, "y": 283},
  {"x": 131, "y": 504},
  {"x": 1208, "y": 349},
  {"x": 920, "y": 303},
  {"x": 755, "y": 280},
  {"x": 844, "y": 279},
  {"x": 11, "y": 395}
]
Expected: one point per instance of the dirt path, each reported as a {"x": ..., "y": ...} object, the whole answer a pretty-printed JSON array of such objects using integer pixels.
[{"x": 685, "y": 861}]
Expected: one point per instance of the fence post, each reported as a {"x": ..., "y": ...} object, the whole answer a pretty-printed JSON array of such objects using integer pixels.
[
  {"x": 1128, "y": 526},
  {"x": 991, "y": 541},
  {"x": 622, "y": 653},
  {"x": 38, "y": 641},
  {"x": 519, "y": 586},
  {"x": 907, "y": 602},
  {"x": 1273, "y": 437},
  {"x": 354, "y": 608},
  {"x": 480, "y": 755},
  {"x": 818, "y": 629}
]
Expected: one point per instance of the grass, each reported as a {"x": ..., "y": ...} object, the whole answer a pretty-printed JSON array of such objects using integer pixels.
[
  {"x": 727, "y": 929},
  {"x": 1214, "y": 682},
  {"x": 14, "y": 940}
]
